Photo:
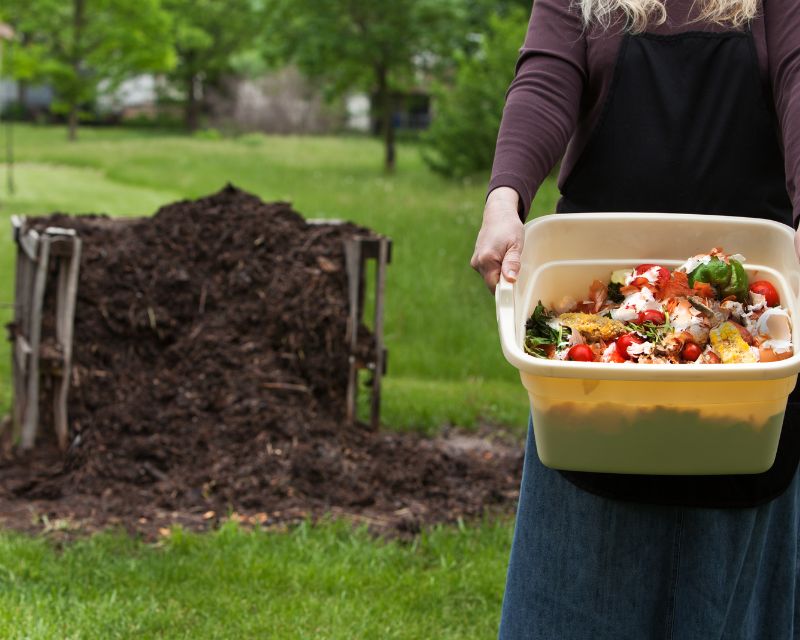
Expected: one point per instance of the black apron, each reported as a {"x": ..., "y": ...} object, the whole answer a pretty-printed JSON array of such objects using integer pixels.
[{"x": 688, "y": 126}]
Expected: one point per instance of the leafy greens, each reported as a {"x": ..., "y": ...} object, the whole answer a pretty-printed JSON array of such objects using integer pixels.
[{"x": 539, "y": 333}]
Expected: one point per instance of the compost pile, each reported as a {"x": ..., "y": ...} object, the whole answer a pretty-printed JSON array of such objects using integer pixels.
[{"x": 210, "y": 377}]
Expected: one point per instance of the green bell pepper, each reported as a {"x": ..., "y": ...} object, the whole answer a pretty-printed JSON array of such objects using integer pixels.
[
  {"x": 738, "y": 285},
  {"x": 716, "y": 272}
]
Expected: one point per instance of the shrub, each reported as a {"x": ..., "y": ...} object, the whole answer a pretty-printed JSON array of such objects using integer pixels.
[{"x": 463, "y": 133}]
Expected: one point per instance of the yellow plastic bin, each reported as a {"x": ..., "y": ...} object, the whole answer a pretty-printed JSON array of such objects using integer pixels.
[{"x": 649, "y": 419}]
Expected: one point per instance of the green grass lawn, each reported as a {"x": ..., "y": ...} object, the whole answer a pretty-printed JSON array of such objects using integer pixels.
[
  {"x": 445, "y": 361},
  {"x": 446, "y": 367},
  {"x": 319, "y": 583}
]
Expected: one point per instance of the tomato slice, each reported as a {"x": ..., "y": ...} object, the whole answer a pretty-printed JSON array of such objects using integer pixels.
[
  {"x": 662, "y": 273},
  {"x": 652, "y": 315},
  {"x": 767, "y": 290},
  {"x": 623, "y": 342}
]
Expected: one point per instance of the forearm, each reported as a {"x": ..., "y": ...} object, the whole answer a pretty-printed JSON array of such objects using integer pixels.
[
  {"x": 782, "y": 24},
  {"x": 501, "y": 198},
  {"x": 543, "y": 101}
]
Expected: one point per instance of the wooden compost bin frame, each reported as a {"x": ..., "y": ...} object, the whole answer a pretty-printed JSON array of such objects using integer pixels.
[
  {"x": 37, "y": 251},
  {"x": 358, "y": 250}
]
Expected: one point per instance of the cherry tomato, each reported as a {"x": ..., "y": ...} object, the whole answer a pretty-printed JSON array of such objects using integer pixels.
[
  {"x": 615, "y": 357},
  {"x": 581, "y": 353},
  {"x": 691, "y": 351},
  {"x": 623, "y": 342},
  {"x": 663, "y": 273},
  {"x": 651, "y": 315},
  {"x": 766, "y": 289}
]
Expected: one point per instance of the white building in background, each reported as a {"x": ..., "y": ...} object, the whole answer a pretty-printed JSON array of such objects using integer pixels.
[
  {"x": 283, "y": 101},
  {"x": 137, "y": 91},
  {"x": 136, "y": 96},
  {"x": 38, "y": 97},
  {"x": 359, "y": 116}
]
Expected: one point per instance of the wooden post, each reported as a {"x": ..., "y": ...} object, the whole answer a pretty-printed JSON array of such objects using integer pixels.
[
  {"x": 354, "y": 263},
  {"x": 69, "y": 266},
  {"x": 27, "y": 249},
  {"x": 357, "y": 250},
  {"x": 380, "y": 352},
  {"x": 30, "y": 422}
]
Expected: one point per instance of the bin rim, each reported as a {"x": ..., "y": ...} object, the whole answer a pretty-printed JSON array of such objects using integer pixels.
[
  {"x": 549, "y": 218},
  {"x": 515, "y": 354}
]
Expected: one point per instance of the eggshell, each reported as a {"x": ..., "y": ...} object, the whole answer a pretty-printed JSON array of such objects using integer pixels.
[{"x": 775, "y": 325}]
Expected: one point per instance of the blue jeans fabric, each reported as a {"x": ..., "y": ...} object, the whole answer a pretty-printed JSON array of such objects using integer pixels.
[{"x": 586, "y": 567}]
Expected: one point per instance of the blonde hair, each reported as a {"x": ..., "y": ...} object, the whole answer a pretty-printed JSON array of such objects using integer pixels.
[{"x": 638, "y": 14}]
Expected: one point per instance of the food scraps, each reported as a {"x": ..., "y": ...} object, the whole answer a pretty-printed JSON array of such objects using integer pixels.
[{"x": 706, "y": 311}]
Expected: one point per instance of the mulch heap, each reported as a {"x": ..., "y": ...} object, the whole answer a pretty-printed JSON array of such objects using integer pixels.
[{"x": 209, "y": 382}]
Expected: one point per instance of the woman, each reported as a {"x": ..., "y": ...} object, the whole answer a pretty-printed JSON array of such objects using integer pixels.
[{"x": 661, "y": 105}]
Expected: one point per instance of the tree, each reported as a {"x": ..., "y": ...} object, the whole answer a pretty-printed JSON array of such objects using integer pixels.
[
  {"x": 374, "y": 45},
  {"x": 77, "y": 44},
  {"x": 208, "y": 37},
  {"x": 463, "y": 134},
  {"x": 29, "y": 51}
]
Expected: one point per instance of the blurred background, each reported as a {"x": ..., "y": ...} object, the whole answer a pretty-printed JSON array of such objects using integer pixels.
[
  {"x": 384, "y": 115},
  {"x": 381, "y": 113}
]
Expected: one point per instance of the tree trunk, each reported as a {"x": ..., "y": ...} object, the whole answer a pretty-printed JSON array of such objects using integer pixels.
[
  {"x": 384, "y": 98},
  {"x": 22, "y": 98},
  {"x": 192, "y": 108},
  {"x": 73, "y": 123},
  {"x": 191, "y": 115},
  {"x": 77, "y": 33}
]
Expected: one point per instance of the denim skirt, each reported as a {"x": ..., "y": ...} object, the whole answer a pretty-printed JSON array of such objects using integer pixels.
[{"x": 584, "y": 567}]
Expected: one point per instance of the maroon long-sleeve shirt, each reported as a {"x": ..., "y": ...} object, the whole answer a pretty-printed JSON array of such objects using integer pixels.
[{"x": 564, "y": 73}]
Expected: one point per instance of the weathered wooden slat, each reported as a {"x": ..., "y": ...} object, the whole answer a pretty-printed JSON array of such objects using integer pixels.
[
  {"x": 29, "y": 243},
  {"x": 30, "y": 420},
  {"x": 380, "y": 355},
  {"x": 353, "y": 262},
  {"x": 371, "y": 248},
  {"x": 61, "y": 231},
  {"x": 22, "y": 298},
  {"x": 65, "y": 322},
  {"x": 21, "y": 352}
]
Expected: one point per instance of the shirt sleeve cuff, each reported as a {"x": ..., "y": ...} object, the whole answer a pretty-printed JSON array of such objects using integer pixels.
[{"x": 519, "y": 185}]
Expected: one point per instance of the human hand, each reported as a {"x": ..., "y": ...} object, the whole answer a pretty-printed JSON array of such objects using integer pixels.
[{"x": 499, "y": 244}]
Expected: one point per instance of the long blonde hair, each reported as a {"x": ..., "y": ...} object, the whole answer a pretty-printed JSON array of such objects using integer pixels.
[{"x": 639, "y": 14}]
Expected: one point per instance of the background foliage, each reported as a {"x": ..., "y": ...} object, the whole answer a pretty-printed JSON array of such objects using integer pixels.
[
  {"x": 463, "y": 134},
  {"x": 464, "y": 51}
]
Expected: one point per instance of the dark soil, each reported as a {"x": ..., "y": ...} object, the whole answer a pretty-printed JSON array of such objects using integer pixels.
[{"x": 210, "y": 377}]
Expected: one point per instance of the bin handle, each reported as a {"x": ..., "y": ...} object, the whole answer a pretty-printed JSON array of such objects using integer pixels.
[{"x": 504, "y": 299}]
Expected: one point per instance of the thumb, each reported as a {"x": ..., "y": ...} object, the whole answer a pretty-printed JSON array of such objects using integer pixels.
[{"x": 511, "y": 262}]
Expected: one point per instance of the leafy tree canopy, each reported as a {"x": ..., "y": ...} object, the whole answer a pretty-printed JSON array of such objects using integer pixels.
[
  {"x": 79, "y": 44},
  {"x": 209, "y": 37},
  {"x": 374, "y": 45},
  {"x": 462, "y": 138}
]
